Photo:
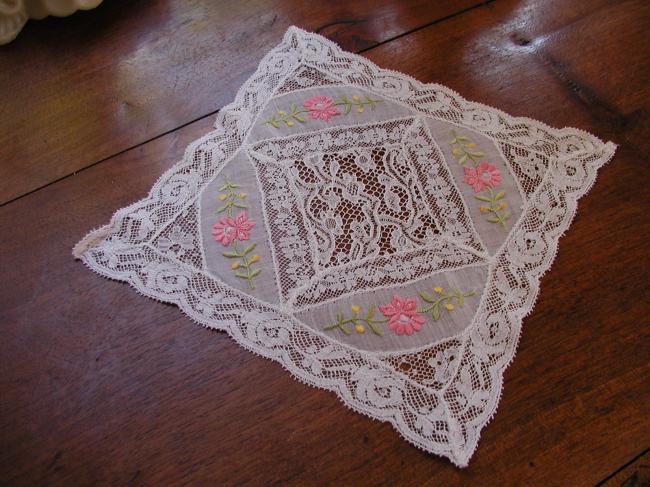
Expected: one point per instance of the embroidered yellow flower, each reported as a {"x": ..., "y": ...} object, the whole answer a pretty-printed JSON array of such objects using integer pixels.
[
  {"x": 359, "y": 109},
  {"x": 242, "y": 195},
  {"x": 470, "y": 145},
  {"x": 456, "y": 151},
  {"x": 222, "y": 197},
  {"x": 234, "y": 266},
  {"x": 355, "y": 309},
  {"x": 484, "y": 209},
  {"x": 254, "y": 258},
  {"x": 290, "y": 123},
  {"x": 437, "y": 289},
  {"x": 502, "y": 206},
  {"x": 449, "y": 306},
  {"x": 355, "y": 97},
  {"x": 359, "y": 328}
]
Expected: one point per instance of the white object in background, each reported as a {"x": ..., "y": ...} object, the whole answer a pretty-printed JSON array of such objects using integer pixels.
[{"x": 15, "y": 13}]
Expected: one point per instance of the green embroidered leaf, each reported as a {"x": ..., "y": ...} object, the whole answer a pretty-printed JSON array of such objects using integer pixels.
[
  {"x": 482, "y": 198},
  {"x": 256, "y": 273},
  {"x": 436, "y": 312},
  {"x": 300, "y": 118},
  {"x": 462, "y": 160},
  {"x": 460, "y": 299},
  {"x": 506, "y": 216},
  {"x": 294, "y": 109},
  {"x": 371, "y": 311},
  {"x": 241, "y": 275},
  {"x": 224, "y": 187},
  {"x": 462, "y": 137},
  {"x": 493, "y": 219},
  {"x": 453, "y": 141},
  {"x": 426, "y": 297},
  {"x": 223, "y": 208},
  {"x": 375, "y": 330},
  {"x": 232, "y": 185},
  {"x": 339, "y": 317},
  {"x": 347, "y": 109},
  {"x": 476, "y": 154},
  {"x": 231, "y": 254},
  {"x": 500, "y": 195},
  {"x": 249, "y": 248},
  {"x": 239, "y": 205},
  {"x": 272, "y": 121}
]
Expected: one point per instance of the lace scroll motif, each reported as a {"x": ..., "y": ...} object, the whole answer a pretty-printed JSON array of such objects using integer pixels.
[{"x": 355, "y": 209}]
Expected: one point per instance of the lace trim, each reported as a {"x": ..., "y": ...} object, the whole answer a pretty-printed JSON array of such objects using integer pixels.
[{"x": 445, "y": 418}]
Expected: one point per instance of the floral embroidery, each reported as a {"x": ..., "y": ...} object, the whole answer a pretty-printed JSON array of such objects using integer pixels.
[
  {"x": 485, "y": 175},
  {"x": 228, "y": 231},
  {"x": 231, "y": 198},
  {"x": 402, "y": 314},
  {"x": 445, "y": 300},
  {"x": 483, "y": 178},
  {"x": 465, "y": 148},
  {"x": 358, "y": 322},
  {"x": 321, "y": 108}
]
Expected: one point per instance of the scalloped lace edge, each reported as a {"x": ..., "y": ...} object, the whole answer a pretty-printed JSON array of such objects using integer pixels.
[{"x": 458, "y": 456}]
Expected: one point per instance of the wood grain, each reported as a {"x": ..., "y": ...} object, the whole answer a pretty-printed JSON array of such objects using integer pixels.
[
  {"x": 635, "y": 474},
  {"x": 80, "y": 89},
  {"x": 102, "y": 386}
]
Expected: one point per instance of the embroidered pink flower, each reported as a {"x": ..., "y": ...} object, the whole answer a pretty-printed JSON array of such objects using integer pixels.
[
  {"x": 402, "y": 315},
  {"x": 484, "y": 175},
  {"x": 321, "y": 107},
  {"x": 228, "y": 229}
]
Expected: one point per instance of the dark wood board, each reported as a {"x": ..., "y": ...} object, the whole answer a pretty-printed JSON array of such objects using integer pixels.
[
  {"x": 102, "y": 386},
  {"x": 80, "y": 89}
]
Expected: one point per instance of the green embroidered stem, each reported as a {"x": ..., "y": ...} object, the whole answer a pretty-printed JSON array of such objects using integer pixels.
[
  {"x": 494, "y": 207},
  {"x": 357, "y": 102},
  {"x": 246, "y": 262},
  {"x": 357, "y": 321},
  {"x": 464, "y": 148},
  {"x": 231, "y": 197},
  {"x": 294, "y": 115},
  {"x": 445, "y": 300}
]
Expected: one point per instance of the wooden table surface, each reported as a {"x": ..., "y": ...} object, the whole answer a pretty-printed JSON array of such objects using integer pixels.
[{"x": 100, "y": 386}]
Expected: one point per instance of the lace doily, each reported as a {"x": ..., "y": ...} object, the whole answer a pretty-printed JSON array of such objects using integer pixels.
[{"x": 379, "y": 237}]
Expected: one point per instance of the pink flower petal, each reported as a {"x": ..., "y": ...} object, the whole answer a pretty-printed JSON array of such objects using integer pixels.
[
  {"x": 410, "y": 304},
  {"x": 387, "y": 310}
]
